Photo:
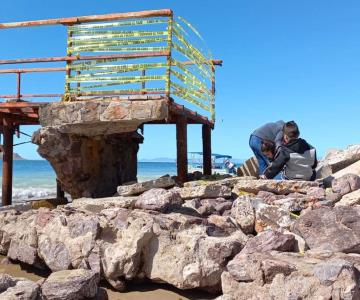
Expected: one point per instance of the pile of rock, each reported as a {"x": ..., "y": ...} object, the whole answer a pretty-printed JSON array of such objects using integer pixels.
[
  {"x": 62, "y": 285},
  {"x": 246, "y": 238}
]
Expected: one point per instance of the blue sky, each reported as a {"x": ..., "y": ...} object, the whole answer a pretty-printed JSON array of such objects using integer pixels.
[{"x": 290, "y": 60}]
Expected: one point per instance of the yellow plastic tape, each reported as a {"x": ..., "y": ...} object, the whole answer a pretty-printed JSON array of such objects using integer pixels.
[
  {"x": 204, "y": 94},
  {"x": 117, "y": 49},
  {"x": 205, "y": 73},
  {"x": 111, "y": 34},
  {"x": 84, "y": 27},
  {"x": 192, "y": 91},
  {"x": 118, "y": 68},
  {"x": 103, "y": 43},
  {"x": 119, "y": 79},
  {"x": 114, "y": 92}
]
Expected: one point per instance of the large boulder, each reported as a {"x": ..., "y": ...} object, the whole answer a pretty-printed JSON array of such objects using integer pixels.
[
  {"x": 244, "y": 214},
  {"x": 17, "y": 288},
  {"x": 159, "y": 199},
  {"x": 336, "y": 229},
  {"x": 279, "y": 276},
  {"x": 203, "y": 191},
  {"x": 184, "y": 255},
  {"x": 280, "y": 187},
  {"x": 224, "y": 223},
  {"x": 70, "y": 285},
  {"x": 213, "y": 206},
  {"x": 122, "y": 243},
  {"x": 350, "y": 199},
  {"x": 172, "y": 248},
  {"x": 346, "y": 184},
  {"x": 336, "y": 160},
  {"x": 24, "y": 243},
  {"x": 352, "y": 169},
  {"x": 7, "y": 229},
  {"x": 98, "y": 204},
  {"x": 67, "y": 238},
  {"x": 270, "y": 216},
  {"x": 140, "y": 187},
  {"x": 270, "y": 240}
]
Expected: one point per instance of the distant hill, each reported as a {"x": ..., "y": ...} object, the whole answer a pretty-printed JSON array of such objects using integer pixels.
[{"x": 15, "y": 156}]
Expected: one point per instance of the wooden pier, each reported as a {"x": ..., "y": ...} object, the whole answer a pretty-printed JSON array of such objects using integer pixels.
[{"x": 189, "y": 87}]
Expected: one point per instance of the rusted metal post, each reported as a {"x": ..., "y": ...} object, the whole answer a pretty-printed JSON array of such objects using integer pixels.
[
  {"x": 18, "y": 93},
  {"x": 59, "y": 191},
  {"x": 181, "y": 147},
  {"x": 206, "y": 139},
  {"x": 143, "y": 82},
  {"x": 168, "y": 58},
  {"x": 213, "y": 90},
  {"x": 78, "y": 85},
  {"x": 68, "y": 63},
  {"x": 7, "y": 173}
]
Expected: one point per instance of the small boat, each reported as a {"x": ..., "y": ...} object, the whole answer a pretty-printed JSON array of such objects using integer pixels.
[{"x": 220, "y": 163}]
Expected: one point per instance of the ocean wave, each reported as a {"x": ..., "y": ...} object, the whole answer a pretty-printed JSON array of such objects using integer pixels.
[{"x": 28, "y": 193}]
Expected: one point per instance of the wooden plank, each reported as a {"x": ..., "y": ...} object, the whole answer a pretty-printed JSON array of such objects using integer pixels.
[
  {"x": 87, "y": 19},
  {"x": 7, "y": 172},
  {"x": 181, "y": 147},
  {"x": 206, "y": 139}
]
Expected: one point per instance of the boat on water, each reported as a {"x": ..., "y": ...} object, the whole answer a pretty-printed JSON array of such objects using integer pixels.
[{"x": 220, "y": 163}]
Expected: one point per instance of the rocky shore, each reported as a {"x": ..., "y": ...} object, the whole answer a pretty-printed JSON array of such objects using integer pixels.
[{"x": 238, "y": 237}]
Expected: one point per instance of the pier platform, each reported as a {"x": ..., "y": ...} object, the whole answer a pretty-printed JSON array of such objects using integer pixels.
[{"x": 151, "y": 73}]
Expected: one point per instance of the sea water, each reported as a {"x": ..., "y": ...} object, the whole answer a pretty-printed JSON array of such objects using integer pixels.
[{"x": 36, "y": 178}]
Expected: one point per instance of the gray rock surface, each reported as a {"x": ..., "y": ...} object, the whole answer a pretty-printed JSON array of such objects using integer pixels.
[
  {"x": 103, "y": 116},
  {"x": 270, "y": 216},
  {"x": 12, "y": 288},
  {"x": 279, "y": 276},
  {"x": 270, "y": 240},
  {"x": 211, "y": 190},
  {"x": 336, "y": 160},
  {"x": 280, "y": 187},
  {"x": 244, "y": 214},
  {"x": 70, "y": 285},
  {"x": 350, "y": 199},
  {"x": 346, "y": 184},
  {"x": 336, "y": 229},
  {"x": 159, "y": 200},
  {"x": 140, "y": 187},
  {"x": 89, "y": 166}
]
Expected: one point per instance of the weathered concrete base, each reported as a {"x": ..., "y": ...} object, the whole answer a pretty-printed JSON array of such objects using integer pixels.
[
  {"x": 102, "y": 117},
  {"x": 90, "y": 166}
]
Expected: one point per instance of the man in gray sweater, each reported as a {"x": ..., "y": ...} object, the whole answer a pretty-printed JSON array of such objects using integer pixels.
[{"x": 270, "y": 132}]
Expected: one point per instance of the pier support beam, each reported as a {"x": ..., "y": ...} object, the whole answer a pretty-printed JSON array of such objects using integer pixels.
[
  {"x": 206, "y": 139},
  {"x": 60, "y": 194},
  {"x": 7, "y": 173},
  {"x": 181, "y": 147}
]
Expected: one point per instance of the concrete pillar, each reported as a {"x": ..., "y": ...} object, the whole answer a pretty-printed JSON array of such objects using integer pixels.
[{"x": 7, "y": 173}]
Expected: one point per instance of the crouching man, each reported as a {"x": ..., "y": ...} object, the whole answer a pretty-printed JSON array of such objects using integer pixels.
[{"x": 294, "y": 160}]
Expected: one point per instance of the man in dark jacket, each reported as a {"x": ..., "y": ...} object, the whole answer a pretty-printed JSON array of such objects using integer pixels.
[
  {"x": 296, "y": 159},
  {"x": 272, "y": 132}
]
